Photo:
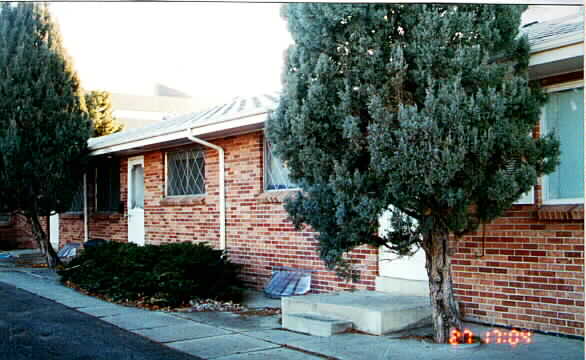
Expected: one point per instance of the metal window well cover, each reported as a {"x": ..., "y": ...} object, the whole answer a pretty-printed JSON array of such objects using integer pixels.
[
  {"x": 288, "y": 283},
  {"x": 69, "y": 250}
]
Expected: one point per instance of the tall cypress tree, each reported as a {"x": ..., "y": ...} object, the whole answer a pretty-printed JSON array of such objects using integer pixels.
[
  {"x": 422, "y": 109},
  {"x": 99, "y": 107},
  {"x": 44, "y": 126}
]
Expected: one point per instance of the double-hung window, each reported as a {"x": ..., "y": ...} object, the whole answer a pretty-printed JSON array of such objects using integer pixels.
[
  {"x": 563, "y": 116},
  {"x": 276, "y": 172},
  {"x": 185, "y": 172},
  {"x": 107, "y": 188}
]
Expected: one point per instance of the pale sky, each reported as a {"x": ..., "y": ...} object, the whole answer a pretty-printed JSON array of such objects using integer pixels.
[{"x": 214, "y": 51}]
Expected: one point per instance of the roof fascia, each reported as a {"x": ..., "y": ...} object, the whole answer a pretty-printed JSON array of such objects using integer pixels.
[
  {"x": 200, "y": 131},
  {"x": 557, "y": 54}
]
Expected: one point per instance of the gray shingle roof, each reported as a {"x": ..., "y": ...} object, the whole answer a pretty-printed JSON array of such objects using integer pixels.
[
  {"x": 549, "y": 30},
  {"x": 237, "y": 108}
]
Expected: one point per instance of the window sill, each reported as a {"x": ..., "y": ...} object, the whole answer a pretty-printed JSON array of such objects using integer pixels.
[
  {"x": 5, "y": 224},
  {"x": 276, "y": 196},
  {"x": 183, "y": 200},
  {"x": 561, "y": 212}
]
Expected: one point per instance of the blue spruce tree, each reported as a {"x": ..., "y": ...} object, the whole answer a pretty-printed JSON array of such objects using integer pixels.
[
  {"x": 44, "y": 126},
  {"x": 423, "y": 109}
]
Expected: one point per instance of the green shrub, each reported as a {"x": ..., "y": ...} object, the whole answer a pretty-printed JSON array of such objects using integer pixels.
[{"x": 166, "y": 275}]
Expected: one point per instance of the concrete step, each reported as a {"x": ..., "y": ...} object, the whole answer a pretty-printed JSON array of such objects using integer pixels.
[
  {"x": 315, "y": 324},
  {"x": 373, "y": 312}
]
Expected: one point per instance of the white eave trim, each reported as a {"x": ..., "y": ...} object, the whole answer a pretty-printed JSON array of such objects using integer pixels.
[
  {"x": 180, "y": 134},
  {"x": 562, "y": 48}
]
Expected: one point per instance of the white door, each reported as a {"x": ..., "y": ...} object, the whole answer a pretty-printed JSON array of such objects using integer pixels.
[
  {"x": 54, "y": 231},
  {"x": 136, "y": 200},
  {"x": 390, "y": 265}
]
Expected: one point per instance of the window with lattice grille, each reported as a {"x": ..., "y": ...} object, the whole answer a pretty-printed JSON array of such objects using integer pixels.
[
  {"x": 276, "y": 172},
  {"x": 186, "y": 172}
]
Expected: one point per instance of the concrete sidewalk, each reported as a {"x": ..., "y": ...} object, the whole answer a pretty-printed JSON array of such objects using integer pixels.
[{"x": 230, "y": 336}]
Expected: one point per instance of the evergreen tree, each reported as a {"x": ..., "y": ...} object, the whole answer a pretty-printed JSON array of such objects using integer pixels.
[
  {"x": 44, "y": 126},
  {"x": 99, "y": 106},
  {"x": 422, "y": 109}
]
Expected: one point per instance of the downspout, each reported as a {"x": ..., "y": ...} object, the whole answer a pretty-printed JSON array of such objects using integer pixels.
[
  {"x": 85, "y": 212},
  {"x": 222, "y": 190}
]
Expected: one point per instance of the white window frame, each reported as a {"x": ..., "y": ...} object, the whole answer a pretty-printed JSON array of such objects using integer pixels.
[
  {"x": 265, "y": 150},
  {"x": 167, "y": 174},
  {"x": 544, "y": 179}
]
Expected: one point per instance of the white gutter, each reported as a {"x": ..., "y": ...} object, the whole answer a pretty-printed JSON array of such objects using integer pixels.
[
  {"x": 85, "y": 212},
  {"x": 558, "y": 54},
  {"x": 222, "y": 192}
]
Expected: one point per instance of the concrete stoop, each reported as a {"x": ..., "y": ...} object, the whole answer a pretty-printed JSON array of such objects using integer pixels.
[
  {"x": 315, "y": 324},
  {"x": 372, "y": 312}
]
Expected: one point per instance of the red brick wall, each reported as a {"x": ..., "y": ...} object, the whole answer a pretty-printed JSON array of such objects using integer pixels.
[
  {"x": 526, "y": 269},
  {"x": 108, "y": 226},
  {"x": 16, "y": 235},
  {"x": 523, "y": 272},
  {"x": 259, "y": 236},
  {"x": 530, "y": 273},
  {"x": 112, "y": 226},
  {"x": 186, "y": 219}
]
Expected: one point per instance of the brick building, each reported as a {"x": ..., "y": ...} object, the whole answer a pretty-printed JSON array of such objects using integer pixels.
[{"x": 162, "y": 184}]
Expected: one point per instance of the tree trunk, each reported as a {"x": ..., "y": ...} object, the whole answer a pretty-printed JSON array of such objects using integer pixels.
[
  {"x": 444, "y": 309},
  {"x": 42, "y": 240}
]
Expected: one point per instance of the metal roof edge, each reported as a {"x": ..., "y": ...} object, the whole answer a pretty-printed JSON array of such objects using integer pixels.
[
  {"x": 94, "y": 151},
  {"x": 575, "y": 37},
  {"x": 143, "y": 137}
]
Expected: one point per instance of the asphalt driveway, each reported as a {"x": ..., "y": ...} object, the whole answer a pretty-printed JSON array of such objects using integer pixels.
[{"x": 32, "y": 327}]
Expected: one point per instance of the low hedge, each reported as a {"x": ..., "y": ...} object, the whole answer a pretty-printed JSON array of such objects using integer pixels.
[{"x": 165, "y": 275}]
